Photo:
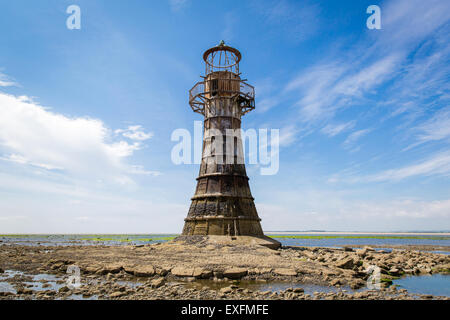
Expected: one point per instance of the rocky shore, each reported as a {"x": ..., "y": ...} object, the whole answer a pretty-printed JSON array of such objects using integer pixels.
[{"x": 175, "y": 270}]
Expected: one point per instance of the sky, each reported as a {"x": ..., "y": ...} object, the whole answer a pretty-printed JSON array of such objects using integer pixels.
[{"x": 86, "y": 115}]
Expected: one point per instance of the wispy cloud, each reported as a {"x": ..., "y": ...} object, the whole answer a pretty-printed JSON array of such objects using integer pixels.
[
  {"x": 355, "y": 136},
  {"x": 297, "y": 20},
  {"x": 177, "y": 5},
  {"x": 6, "y": 81},
  {"x": 435, "y": 165},
  {"x": 356, "y": 75},
  {"x": 438, "y": 164},
  {"x": 436, "y": 128},
  {"x": 332, "y": 130}
]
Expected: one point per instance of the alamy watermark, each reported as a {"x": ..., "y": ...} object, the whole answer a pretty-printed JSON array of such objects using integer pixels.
[
  {"x": 374, "y": 280},
  {"x": 374, "y": 20},
  {"x": 74, "y": 280},
  {"x": 228, "y": 147},
  {"x": 74, "y": 20}
]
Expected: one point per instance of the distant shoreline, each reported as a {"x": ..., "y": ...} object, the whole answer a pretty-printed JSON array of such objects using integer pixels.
[
  {"x": 360, "y": 233},
  {"x": 404, "y": 233}
]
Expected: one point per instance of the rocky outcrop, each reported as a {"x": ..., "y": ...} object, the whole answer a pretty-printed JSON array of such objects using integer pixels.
[{"x": 235, "y": 273}]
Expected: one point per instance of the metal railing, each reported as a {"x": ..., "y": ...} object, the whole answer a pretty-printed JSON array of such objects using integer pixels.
[{"x": 198, "y": 95}]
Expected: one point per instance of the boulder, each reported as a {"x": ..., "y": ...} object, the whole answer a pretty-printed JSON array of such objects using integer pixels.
[
  {"x": 117, "y": 294},
  {"x": 182, "y": 272},
  {"x": 361, "y": 252},
  {"x": 394, "y": 271},
  {"x": 226, "y": 290},
  {"x": 63, "y": 289},
  {"x": 163, "y": 271},
  {"x": 111, "y": 268},
  {"x": 235, "y": 273},
  {"x": 91, "y": 269},
  {"x": 346, "y": 263},
  {"x": 285, "y": 272},
  {"x": 335, "y": 282},
  {"x": 202, "y": 273},
  {"x": 144, "y": 271},
  {"x": 156, "y": 283}
]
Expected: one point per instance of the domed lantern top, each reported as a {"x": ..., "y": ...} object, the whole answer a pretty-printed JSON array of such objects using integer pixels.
[{"x": 222, "y": 58}]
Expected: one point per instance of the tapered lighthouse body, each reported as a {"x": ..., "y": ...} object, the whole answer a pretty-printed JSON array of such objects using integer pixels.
[{"x": 223, "y": 204}]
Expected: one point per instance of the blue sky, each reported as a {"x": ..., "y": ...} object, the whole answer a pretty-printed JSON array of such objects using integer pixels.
[{"x": 86, "y": 115}]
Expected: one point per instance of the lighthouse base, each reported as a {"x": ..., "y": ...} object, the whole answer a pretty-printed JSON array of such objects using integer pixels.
[{"x": 230, "y": 240}]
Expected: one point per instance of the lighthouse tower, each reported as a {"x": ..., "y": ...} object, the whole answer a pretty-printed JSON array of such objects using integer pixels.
[{"x": 222, "y": 209}]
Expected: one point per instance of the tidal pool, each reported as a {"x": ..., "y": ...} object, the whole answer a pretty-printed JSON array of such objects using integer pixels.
[
  {"x": 436, "y": 284},
  {"x": 255, "y": 285}
]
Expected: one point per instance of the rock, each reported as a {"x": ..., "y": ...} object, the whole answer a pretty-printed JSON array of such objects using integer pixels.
[
  {"x": 202, "y": 273},
  {"x": 163, "y": 272},
  {"x": 110, "y": 268},
  {"x": 144, "y": 271},
  {"x": 348, "y": 249},
  {"x": 335, "y": 282},
  {"x": 285, "y": 272},
  {"x": 235, "y": 273},
  {"x": 91, "y": 269},
  {"x": 346, "y": 263},
  {"x": 369, "y": 249},
  {"x": 117, "y": 294},
  {"x": 63, "y": 289},
  {"x": 361, "y": 252},
  {"x": 182, "y": 272},
  {"x": 1, "y": 270},
  {"x": 394, "y": 271},
  {"x": 156, "y": 283},
  {"x": 357, "y": 284},
  {"x": 4, "y": 294},
  {"x": 226, "y": 290},
  {"x": 22, "y": 290},
  {"x": 299, "y": 290}
]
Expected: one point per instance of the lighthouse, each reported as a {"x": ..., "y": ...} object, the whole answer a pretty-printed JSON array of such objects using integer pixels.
[{"x": 222, "y": 209}]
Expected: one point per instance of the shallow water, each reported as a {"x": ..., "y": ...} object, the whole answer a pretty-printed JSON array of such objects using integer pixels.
[
  {"x": 255, "y": 285},
  {"x": 436, "y": 284},
  {"x": 339, "y": 242}
]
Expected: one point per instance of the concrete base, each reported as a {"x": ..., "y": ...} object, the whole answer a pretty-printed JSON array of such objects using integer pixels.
[{"x": 230, "y": 240}]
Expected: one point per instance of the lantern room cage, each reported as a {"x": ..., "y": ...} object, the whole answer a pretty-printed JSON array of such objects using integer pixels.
[{"x": 222, "y": 79}]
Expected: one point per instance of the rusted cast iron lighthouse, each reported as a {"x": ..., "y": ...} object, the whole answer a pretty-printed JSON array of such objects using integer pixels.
[{"x": 222, "y": 208}]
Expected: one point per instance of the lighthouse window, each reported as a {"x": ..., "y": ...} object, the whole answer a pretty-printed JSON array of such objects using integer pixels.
[{"x": 214, "y": 86}]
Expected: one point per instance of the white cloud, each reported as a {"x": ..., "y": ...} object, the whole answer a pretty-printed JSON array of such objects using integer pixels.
[
  {"x": 355, "y": 136},
  {"x": 134, "y": 133},
  {"x": 434, "y": 129},
  {"x": 82, "y": 147},
  {"x": 6, "y": 81},
  {"x": 435, "y": 165},
  {"x": 438, "y": 164},
  {"x": 22, "y": 160}
]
